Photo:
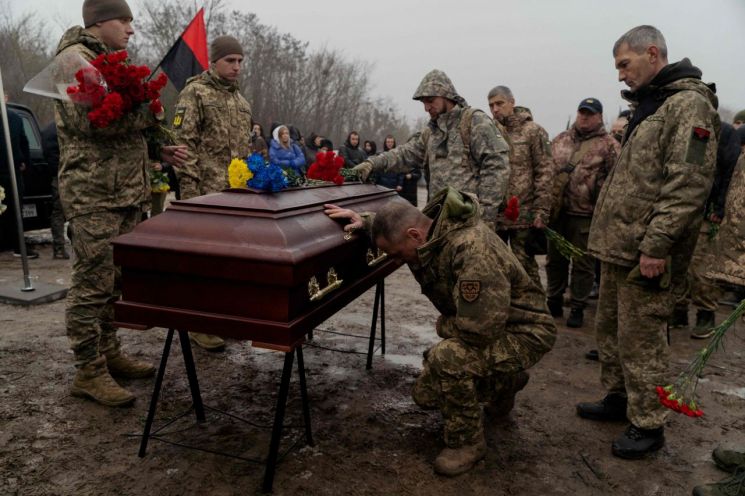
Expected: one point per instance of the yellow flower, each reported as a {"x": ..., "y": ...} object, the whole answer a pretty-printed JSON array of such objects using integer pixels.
[{"x": 239, "y": 173}]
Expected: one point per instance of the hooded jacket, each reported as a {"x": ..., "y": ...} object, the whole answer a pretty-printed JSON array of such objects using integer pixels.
[
  {"x": 353, "y": 155},
  {"x": 213, "y": 120},
  {"x": 653, "y": 199},
  {"x": 476, "y": 283},
  {"x": 99, "y": 169}
]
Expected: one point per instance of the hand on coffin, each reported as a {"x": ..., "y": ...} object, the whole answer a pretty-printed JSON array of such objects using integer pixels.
[
  {"x": 336, "y": 212},
  {"x": 175, "y": 155}
]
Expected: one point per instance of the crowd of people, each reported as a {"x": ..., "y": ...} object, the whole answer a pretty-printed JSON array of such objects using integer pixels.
[{"x": 641, "y": 199}]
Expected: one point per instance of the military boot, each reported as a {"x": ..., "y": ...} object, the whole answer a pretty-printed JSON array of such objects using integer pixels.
[
  {"x": 455, "y": 461},
  {"x": 505, "y": 402},
  {"x": 728, "y": 460},
  {"x": 612, "y": 407},
  {"x": 576, "y": 318},
  {"x": 637, "y": 442},
  {"x": 731, "y": 486},
  {"x": 60, "y": 252},
  {"x": 93, "y": 381},
  {"x": 207, "y": 341},
  {"x": 679, "y": 317},
  {"x": 704, "y": 325},
  {"x": 127, "y": 367}
]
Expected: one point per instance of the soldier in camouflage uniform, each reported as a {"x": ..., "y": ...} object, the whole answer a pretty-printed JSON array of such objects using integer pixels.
[
  {"x": 479, "y": 166},
  {"x": 727, "y": 264},
  {"x": 583, "y": 156},
  {"x": 493, "y": 321},
  {"x": 103, "y": 187},
  {"x": 644, "y": 231},
  {"x": 213, "y": 120},
  {"x": 531, "y": 173}
]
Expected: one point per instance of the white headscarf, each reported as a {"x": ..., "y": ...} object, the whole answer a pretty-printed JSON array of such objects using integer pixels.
[{"x": 275, "y": 133}]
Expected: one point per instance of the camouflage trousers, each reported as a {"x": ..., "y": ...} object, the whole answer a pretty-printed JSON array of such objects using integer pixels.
[
  {"x": 95, "y": 283},
  {"x": 57, "y": 217},
  {"x": 210, "y": 183},
  {"x": 703, "y": 292},
  {"x": 576, "y": 230},
  {"x": 630, "y": 326},
  {"x": 517, "y": 239},
  {"x": 457, "y": 378}
]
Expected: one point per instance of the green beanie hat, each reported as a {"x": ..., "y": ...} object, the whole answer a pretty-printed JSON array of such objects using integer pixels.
[
  {"x": 104, "y": 10},
  {"x": 740, "y": 116},
  {"x": 223, "y": 46}
]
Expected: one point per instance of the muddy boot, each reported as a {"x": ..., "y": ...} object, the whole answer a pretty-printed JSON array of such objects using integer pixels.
[
  {"x": 455, "y": 461},
  {"x": 60, "y": 252},
  {"x": 93, "y": 381},
  {"x": 207, "y": 341},
  {"x": 636, "y": 442},
  {"x": 612, "y": 407},
  {"x": 576, "y": 318},
  {"x": 505, "y": 402},
  {"x": 679, "y": 317},
  {"x": 731, "y": 486},
  {"x": 128, "y": 367},
  {"x": 704, "y": 325},
  {"x": 728, "y": 460}
]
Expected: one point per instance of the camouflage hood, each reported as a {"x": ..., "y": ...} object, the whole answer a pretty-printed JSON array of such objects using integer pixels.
[
  {"x": 210, "y": 78},
  {"x": 451, "y": 210},
  {"x": 437, "y": 83},
  {"x": 78, "y": 35}
]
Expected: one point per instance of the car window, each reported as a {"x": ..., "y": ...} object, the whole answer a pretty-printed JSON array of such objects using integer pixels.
[{"x": 28, "y": 128}]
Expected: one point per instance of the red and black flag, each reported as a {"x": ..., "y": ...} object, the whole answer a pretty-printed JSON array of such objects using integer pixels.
[{"x": 188, "y": 56}]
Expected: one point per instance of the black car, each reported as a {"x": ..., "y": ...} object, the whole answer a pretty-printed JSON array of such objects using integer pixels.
[{"x": 36, "y": 207}]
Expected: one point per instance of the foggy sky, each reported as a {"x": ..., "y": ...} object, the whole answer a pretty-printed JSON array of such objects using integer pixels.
[{"x": 551, "y": 54}]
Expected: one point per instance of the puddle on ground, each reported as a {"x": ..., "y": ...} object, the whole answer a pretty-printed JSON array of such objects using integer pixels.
[{"x": 410, "y": 360}]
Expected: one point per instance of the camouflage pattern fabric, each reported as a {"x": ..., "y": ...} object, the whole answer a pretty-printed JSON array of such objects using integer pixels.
[
  {"x": 703, "y": 291},
  {"x": 531, "y": 170},
  {"x": 631, "y": 325},
  {"x": 494, "y": 319},
  {"x": 213, "y": 120},
  {"x": 588, "y": 176},
  {"x": 100, "y": 169},
  {"x": 653, "y": 199},
  {"x": 484, "y": 172},
  {"x": 728, "y": 262},
  {"x": 575, "y": 229},
  {"x": 95, "y": 283}
]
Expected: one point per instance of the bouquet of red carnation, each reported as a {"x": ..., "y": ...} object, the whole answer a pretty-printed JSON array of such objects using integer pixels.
[
  {"x": 112, "y": 87},
  {"x": 327, "y": 168}
]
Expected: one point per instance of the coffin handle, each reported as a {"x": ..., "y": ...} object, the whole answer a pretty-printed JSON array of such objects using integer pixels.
[
  {"x": 314, "y": 289},
  {"x": 373, "y": 260}
]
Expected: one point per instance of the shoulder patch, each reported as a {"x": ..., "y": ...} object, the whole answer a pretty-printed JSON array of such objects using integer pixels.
[
  {"x": 469, "y": 290},
  {"x": 178, "y": 118},
  {"x": 697, "y": 143}
]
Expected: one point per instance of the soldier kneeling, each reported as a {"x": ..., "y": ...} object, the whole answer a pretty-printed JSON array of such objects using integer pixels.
[{"x": 494, "y": 321}]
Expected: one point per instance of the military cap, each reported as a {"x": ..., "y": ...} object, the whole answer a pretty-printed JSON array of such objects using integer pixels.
[{"x": 591, "y": 104}]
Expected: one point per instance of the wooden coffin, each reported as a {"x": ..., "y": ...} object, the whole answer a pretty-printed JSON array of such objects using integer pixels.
[{"x": 249, "y": 264}]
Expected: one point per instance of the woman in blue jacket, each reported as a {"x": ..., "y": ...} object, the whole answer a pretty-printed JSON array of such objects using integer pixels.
[{"x": 285, "y": 153}]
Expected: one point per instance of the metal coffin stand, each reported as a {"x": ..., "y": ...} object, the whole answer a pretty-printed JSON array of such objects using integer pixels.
[{"x": 184, "y": 269}]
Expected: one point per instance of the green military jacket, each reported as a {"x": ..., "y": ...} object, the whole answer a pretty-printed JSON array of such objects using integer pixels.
[
  {"x": 484, "y": 173},
  {"x": 99, "y": 169},
  {"x": 475, "y": 281},
  {"x": 213, "y": 120},
  {"x": 728, "y": 261},
  {"x": 653, "y": 199}
]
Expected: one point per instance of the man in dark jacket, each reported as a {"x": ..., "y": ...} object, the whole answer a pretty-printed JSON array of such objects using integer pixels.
[
  {"x": 351, "y": 152},
  {"x": 50, "y": 146}
]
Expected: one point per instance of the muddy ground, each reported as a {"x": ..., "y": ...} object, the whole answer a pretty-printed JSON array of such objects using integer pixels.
[{"x": 369, "y": 436}]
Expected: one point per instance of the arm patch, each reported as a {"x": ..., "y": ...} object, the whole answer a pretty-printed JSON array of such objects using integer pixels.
[
  {"x": 178, "y": 118},
  {"x": 697, "y": 143}
]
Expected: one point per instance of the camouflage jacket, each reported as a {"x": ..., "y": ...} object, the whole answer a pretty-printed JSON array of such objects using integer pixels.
[
  {"x": 484, "y": 173},
  {"x": 475, "y": 281},
  {"x": 213, "y": 120},
  {"x": 531, "y": 169},
  {"x": 653, "y": 199},
  {"x": 100, "y": 169},
  {"x": 588, "y": 176},
  {"x": 728, "y": 262}
]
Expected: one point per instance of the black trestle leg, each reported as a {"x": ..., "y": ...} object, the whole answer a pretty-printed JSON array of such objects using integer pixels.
[
  {"x": 191, "y": 373},
  {"x": 304, "y": 396},
  {"x": 382, "y": 317},
  {"x": 373, "y": 327},
  {"x": 279, "y": 418},
  {"x": 156, "y": 393}
]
